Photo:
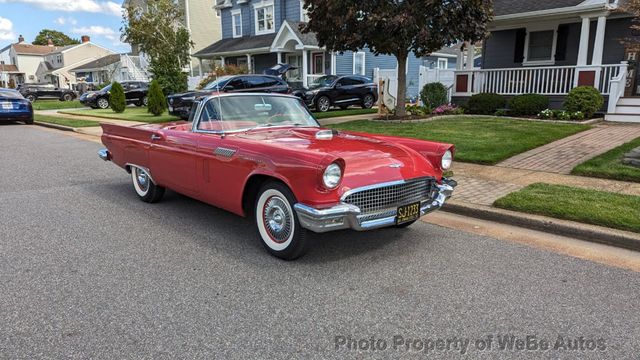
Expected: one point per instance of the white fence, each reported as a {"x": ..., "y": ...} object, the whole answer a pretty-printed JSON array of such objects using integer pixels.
[{"x": 447, "y": 77}]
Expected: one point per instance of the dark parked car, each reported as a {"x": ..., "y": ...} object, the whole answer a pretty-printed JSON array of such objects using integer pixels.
[
  {"x": 35, "y": 92},
  {"x": 135, "y": 92},
  {"x": 340, "y": 91},
  {"x": 180, "y": 104},
  {"x": 13, "y": 106}
]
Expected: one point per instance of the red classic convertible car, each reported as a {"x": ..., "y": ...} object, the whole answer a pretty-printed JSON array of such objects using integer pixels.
[{"x": 265, "y": 156}]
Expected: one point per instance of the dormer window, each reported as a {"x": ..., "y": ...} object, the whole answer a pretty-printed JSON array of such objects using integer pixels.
[{"x": 264, "y": 18}]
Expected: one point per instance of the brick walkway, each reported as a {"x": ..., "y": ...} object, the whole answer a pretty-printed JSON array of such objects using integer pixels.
[
  {"x": 482, "y": 192},
  {"x": 563, "y": 155}
]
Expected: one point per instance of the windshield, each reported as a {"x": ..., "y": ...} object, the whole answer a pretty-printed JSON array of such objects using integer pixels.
[
  {"x": 323, "y": 81},
  {"x": 218, "y": 83},
  {"x": 246, "y": 112}
]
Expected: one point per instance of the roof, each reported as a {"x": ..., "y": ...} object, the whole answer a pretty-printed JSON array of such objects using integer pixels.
[
  {"x": 30, "y": 49},
  {"x": 508, "y": 7},
  {"x": 308, "y": 38},
  {"x": 9, "y": 68},
  {"x": 97, "y": 64},
  {"x": 231, "y": 45}
]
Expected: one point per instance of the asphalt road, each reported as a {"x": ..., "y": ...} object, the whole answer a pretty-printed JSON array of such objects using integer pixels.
[{"x": 89, "y": 271}]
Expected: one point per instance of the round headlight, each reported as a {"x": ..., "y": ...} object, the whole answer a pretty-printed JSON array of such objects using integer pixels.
[
  {"x": 332, "y": 176},
  {"x": 447, "y": 159}
]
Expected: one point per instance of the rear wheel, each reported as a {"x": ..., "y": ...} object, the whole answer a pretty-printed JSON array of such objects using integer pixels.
[
  {"x": 142, "y": 102},
  {"x": 323, "y": 104},
  {"x": 29, "y": 121},
  {"x": 146, "y": 189},
  {"x": 277, "y": 223},
  {"x": 103, "y": 103},
  {"x": 368, "y": 101},
  {"x": 67, "y": 97}
]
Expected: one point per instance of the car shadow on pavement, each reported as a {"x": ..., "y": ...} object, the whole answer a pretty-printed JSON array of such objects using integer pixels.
[{"x": 222, "y": 231}]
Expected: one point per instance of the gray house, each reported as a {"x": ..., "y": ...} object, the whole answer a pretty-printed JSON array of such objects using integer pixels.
[
  {"x": 551, "y": 46},
  {"x": 260, "y": 33}
]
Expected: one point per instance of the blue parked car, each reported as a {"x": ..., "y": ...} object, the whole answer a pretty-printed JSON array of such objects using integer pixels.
[{"x": 13, "y": 106}]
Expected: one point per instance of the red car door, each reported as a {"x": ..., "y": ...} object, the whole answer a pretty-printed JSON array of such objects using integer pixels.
[{"x": 172, "y": 158}]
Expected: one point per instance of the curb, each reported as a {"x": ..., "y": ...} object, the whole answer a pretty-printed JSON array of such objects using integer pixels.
[
  {"x": 54, "y": 126},
  {"x": 587, "y": 232}
]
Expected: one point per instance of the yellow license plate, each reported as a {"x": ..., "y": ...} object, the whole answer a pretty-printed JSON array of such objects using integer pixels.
[{"x": 408, "y": 213}]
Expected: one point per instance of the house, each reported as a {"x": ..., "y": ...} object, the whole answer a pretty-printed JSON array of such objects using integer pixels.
[
  {"x": 203, "y": 23},
  {"x": 551, "y": 46},
  {"x": 21, "y": 61},
  {"x": 56, "y": 65},
  {"x": 260, "y": 33},
  {"x": 114, "y": 67}
]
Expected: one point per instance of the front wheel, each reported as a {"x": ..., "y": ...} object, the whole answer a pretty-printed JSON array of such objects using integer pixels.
[
  {"x": 31, "y": 97},
  {"x": 67, "y": 97},
  {"x": 323, "y": 104},
  {"x": 368, "y": 101},
  {"x": 146, "y": 189},
  {"x": 103, "y": 103},
  {"x": 142, "y": 102},
  {"x": 277, "y": 223}
]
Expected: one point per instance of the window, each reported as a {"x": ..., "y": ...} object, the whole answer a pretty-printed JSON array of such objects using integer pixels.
[
  {"x": 236, "y": 23},
  {"x": 236, "y": 84},
  {"x": 318, "y": 63},
  {"x": 241, "y": 62},
  {"x": 350, "y": 81},
  {"x": 540, "y": 46},
  {"x": 296, "y": 74},
  {"x": 359, "y": 63},
  {"x": 264, "y": 19},
  {"x": 443, "y": 63}
]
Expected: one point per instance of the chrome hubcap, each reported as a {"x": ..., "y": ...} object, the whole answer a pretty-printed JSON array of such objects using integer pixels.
[
  {"x": 277, "y": 219},
  {"x": 324, "y": 104},
  {"x": 103, "y": 103},
  {"x": 143, "y": 179},
  {"x": 368, "y": 101}
]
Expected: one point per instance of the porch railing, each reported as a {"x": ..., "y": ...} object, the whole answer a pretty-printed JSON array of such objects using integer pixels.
[{"x": 552, "y": 80}]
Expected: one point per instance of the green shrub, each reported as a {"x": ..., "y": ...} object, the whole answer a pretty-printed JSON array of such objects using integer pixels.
[
  {"x": 117, "y": 101},
  {"x": 434, "y": 95},
  {"x": 485, "y": 104},
  {"x": 563, "y": 115},
  {"x": 157, "y": 103},
  {"x": 578, "y": 115},
  {"x": 546, "y": 114},
  {"x": 586, "y": 99},
  {"x": 528, "y": 104},
  {"x": 418, "y": 110},
  {"x": 501, "y": 112}
]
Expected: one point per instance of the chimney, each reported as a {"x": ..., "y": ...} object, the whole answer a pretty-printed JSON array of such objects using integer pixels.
[
  {"x": 49, "y": 42},
  {"x": 20, "y": 39},
  {"x": 85, "y": 38}
]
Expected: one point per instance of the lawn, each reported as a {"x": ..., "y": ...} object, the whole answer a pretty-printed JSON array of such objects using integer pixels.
[
  {"x": 56, "y": 104},
  {"x": 339, "y": 113},
  {"x": 130, "y": 114},
  {"x": 588, "y": 206},
  {"x": 75, "y": 123},
  {"x": 609, "y": 165},
  {"x": 480, "y": 140}
]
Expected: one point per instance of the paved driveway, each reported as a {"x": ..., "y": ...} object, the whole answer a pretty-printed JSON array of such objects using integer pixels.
[{"x": 89, "y": 271}]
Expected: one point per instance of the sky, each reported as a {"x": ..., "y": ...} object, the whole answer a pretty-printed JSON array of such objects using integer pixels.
[{"x": 100, "y": 19}]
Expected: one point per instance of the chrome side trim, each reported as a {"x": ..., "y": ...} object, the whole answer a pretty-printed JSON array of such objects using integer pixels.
[{"x": 220, "y": 151}]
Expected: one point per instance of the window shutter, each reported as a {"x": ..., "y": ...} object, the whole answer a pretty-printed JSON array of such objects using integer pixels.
[
  {"x": 518, "y": 56},
  {"x": 561, "y": 44}
]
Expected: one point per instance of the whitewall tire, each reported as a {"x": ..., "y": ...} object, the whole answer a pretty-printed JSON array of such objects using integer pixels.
[
  {"x": 277, "y": 223},
  {"x": 144, "y": 186}
]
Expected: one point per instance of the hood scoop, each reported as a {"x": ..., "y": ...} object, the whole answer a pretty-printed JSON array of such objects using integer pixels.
[{"x": 326, "y": 134}]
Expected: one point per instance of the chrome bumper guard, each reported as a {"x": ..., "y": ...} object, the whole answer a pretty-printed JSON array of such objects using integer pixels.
[
  {"x": 347, "y": 216},
  {"x": 104, "y": 154}
]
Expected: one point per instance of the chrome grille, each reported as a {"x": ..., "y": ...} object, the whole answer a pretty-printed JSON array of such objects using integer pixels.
[{"x": 381, "y": 199}]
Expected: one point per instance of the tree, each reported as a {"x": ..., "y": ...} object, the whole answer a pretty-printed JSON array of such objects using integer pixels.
[
  {"x": 632, "y": 7},
  {"x": 159, "y": 31},
  {"x": 56, "y": 37},
  {"x": 157, "y": 103},
  {"x": 117, "y": 100},
  {"x": 397, "y": 27}
]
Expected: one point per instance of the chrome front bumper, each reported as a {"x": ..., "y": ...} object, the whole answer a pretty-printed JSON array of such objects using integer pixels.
[{"x": 347, "y": 216}]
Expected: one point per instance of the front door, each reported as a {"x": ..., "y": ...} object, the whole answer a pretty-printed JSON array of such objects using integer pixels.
[
  {"x": 632, "y": 56},
  {"x": 172, "y": 158},
  {"x": 295, "y": 75}
]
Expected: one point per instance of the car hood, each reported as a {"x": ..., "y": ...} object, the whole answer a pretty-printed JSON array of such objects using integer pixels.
[{"x": 364, "y": 156}]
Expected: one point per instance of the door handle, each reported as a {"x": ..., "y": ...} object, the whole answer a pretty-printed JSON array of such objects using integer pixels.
[{"x": 155, "y": 137}]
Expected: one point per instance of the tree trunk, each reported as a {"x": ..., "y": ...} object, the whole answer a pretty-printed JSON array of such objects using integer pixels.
[{"x": 402, "y": 86}]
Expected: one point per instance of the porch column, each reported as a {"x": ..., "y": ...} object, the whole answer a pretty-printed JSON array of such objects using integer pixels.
[
  {"x": 200, "y": 66},
  {"x": 279, "y": 57},
  {"x": 598, "y": 45},
  {"x": 583, "y": 50},
  {"x": 333, "y": 63},
  {"x": 459, "y": 59},
  {"x": 222, "y": 61},
  {"x": 305, "y": 67},
  {"x": 249, "y": 63},
  {"x": 471, "y": 52}
]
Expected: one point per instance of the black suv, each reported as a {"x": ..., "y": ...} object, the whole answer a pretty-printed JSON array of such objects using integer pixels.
[
  {"x": 180, "y": 104},
  {"x": 135, "y": 92},
  {"x": 35, "y": 92},
  {"x": 340, "y": 91}
]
